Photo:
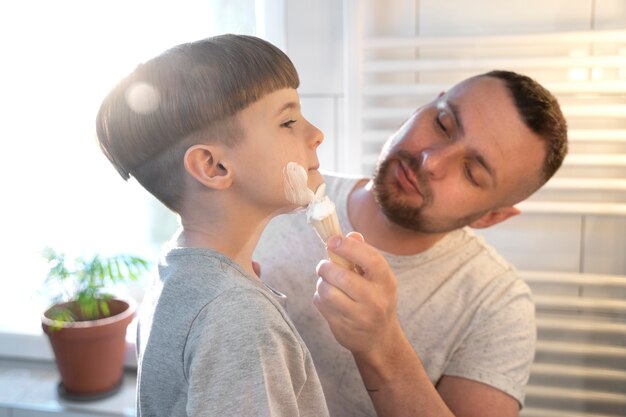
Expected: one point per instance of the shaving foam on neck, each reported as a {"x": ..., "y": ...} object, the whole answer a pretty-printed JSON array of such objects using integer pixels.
[{"x": 296, "y": 189}]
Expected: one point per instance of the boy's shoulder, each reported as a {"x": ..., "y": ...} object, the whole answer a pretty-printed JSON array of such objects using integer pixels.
[{"x": 202, "y": 271}]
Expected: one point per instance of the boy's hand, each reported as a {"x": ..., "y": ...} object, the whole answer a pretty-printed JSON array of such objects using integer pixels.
[{"x": 360, "y": 309}]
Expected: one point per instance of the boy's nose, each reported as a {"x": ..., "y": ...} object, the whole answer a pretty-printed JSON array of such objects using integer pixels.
[{"x": 315, "y": 137}]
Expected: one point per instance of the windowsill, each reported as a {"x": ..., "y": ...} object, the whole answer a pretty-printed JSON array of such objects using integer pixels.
[
  {"x": 29, "y": 379},
  {"x": 33, "y": 345},
  {"x": 29, "y": 388}
]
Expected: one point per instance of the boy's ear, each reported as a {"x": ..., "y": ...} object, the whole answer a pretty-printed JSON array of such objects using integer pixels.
[
  {"x": 495, "y": 216},
  {"x": 205, "y": 164}
]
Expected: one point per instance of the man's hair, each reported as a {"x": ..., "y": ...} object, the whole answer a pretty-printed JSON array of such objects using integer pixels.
[
  {"x": 189, "y": 94},
  {"x": 540, "y": 111}
]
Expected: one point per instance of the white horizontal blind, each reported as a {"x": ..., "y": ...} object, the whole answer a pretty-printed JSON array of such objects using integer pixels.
[
  {"x": 580, "y": 367},
  {"x": 580, "y": 362}
]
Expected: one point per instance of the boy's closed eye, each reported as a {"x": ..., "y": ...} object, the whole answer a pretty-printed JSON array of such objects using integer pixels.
[{"x": 288, "y": 123}]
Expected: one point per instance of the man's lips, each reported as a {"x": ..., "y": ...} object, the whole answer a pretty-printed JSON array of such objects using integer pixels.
[{"x": 406, "y": 178}]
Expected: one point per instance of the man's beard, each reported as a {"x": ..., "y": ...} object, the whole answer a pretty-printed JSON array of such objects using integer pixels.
[{"x": 402, "y": 213}]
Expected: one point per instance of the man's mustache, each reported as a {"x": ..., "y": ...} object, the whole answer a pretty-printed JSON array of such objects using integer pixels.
[{"x": 414, "y": 163}]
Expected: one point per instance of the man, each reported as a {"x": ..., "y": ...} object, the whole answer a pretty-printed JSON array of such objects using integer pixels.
[{"x": 435, "y": 322}]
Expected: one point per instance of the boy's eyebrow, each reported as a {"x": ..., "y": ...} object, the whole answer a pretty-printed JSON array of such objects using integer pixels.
[{"x": 288, "y": 106}]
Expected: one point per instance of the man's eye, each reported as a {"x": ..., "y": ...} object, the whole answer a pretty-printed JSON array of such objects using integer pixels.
[
  {"x": 288, "y": 123},
  {"x": 470, "y": 175}
]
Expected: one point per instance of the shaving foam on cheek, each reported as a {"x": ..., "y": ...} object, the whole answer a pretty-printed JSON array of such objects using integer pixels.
[{"x": 296, "y": 189}]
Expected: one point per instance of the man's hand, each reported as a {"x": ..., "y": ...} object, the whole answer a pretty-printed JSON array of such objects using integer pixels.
[{"x": 359, "y": 308}]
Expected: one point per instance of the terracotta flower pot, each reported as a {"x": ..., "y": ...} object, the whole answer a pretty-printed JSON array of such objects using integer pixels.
[{"x": 90, "y": 354}]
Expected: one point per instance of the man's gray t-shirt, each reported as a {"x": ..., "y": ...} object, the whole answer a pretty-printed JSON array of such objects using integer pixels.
[
  {"x": 464, "y": 309},
  {"x": 214, "y": 341}
]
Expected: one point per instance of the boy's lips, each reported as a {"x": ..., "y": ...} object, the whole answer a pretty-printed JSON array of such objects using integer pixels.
[{"x": 407, "y": 178}]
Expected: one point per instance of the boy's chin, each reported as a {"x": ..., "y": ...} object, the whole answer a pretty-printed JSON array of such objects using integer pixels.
[{"x": 315, "y": 179}]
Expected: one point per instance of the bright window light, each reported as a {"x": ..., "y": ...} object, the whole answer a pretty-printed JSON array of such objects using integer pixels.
[{"x": 60, "y": 58}]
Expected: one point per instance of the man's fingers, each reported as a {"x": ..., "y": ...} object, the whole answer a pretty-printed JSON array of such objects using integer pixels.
[
  {"x": 368, "y": 260},
  {"x": 337, "y": 277},
  {"x": 334, "y": 304},
  {"x": 356, "y": 236}
]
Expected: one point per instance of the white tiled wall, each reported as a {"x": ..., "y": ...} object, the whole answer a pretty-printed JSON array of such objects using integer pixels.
[
  {"x": 523, "y": 241},
  {"x": 605, "y": 245},
  {"x": 314, "y": 43},
  {"x": 491, "y": 16}
]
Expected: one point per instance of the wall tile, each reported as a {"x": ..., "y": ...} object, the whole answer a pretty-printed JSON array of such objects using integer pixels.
[
  {"x": 538, "y": 242},
  {"x": 490, "y": 16},
  {"x": 610, "y": 14},
  {"x": 314, "y": 43},
  {"x": 605, "y": 245}
]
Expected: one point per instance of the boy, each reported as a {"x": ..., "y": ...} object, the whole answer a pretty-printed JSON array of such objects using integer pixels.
[{"x": 208, "y": 127}]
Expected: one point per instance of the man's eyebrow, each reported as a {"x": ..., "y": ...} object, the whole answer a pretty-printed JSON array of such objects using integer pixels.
[{"x": 456, "y": 114}]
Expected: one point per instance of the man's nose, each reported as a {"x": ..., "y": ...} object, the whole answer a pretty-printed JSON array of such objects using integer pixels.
[{"x": 436, "y": 163}]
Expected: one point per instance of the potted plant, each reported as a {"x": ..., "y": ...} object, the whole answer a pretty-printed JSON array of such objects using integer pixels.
[{"x": 86, "y": 325}]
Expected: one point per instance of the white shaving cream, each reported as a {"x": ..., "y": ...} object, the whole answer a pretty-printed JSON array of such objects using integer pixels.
[
  {"x": 321, "y": 206},
  {"x": 296, "y": 189}
]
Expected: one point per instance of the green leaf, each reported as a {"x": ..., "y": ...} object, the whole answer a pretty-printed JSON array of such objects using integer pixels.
[{"x": 84, "y": 281}]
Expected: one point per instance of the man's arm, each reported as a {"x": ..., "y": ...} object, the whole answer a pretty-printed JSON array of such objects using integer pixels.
[
  {"x": 469, "y": 398},
  {"x": 361, "y": 312}
]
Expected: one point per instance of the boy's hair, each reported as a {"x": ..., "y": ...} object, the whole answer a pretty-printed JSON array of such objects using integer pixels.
[
  {"x": 540, "y": 111},
  {"x": 189, "y": 94}
]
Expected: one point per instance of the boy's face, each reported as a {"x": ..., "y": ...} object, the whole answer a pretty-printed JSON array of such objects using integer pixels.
[{"x": 275, "y": 133}]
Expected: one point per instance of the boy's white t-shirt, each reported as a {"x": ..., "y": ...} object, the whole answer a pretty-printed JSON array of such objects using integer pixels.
[{"x": 465, "y": 309}]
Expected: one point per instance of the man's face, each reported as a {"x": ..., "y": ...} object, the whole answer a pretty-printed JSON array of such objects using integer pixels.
[{"x": 457, "y": 158}]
